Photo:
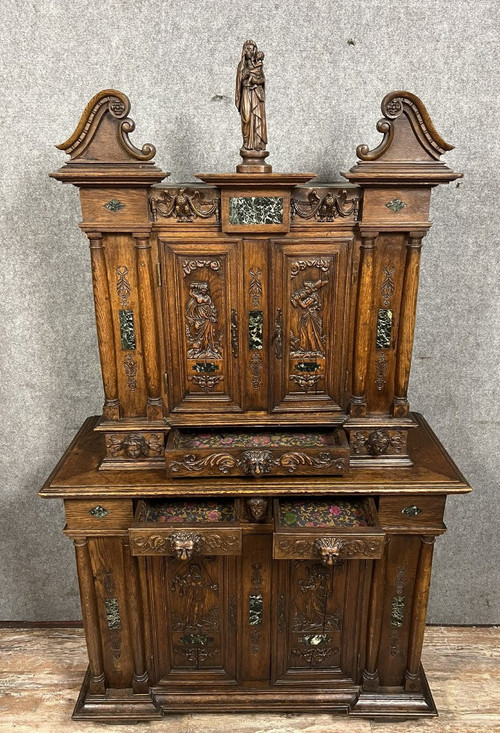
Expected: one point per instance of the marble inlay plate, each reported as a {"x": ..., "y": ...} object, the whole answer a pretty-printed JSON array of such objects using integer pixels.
[
  {"x": 256, "y": 210},
  {"x": 384, "y": 328}
]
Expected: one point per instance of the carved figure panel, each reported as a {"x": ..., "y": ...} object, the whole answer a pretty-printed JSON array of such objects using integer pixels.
[
  {"x": 309, "y": 294},
  {"x": 202, "y": 318}
]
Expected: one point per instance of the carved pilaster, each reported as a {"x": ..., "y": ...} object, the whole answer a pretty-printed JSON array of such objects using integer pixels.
[
  {"x": 154, "y": 407},
  {"x": 90, "y": 617},
  {"x": 418, "y": 614},
  {"x": 363, "y": 324},
  {"x": 407, "y": 325},
  {"x": 104, "y": 323},
  {"x": 375, "y": 616},
  {"x": 140, "y": 681}
]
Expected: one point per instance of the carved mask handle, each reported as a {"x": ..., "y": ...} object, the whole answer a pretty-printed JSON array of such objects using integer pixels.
[
  {"x": 185, "y": 544},
  {"x": 328, "y": 550}
]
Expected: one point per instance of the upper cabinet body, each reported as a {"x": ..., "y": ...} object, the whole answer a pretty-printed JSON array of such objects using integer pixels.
[{"x": 255, "y": 299}]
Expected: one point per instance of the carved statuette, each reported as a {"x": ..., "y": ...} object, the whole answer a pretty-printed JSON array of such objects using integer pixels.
[{"x": 250, "y": 100}]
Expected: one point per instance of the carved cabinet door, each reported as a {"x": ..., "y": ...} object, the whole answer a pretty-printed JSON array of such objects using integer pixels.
[
  {"x": 310, "y": 297},
  {"x": 201, "y": 311},
  {"x": 193, "y": 612},
  {"x": 319, "y": 615}
]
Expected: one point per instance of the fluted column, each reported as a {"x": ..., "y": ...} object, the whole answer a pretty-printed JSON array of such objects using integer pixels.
[
  {"x": 363, "y": 332},
  {"x": 418, "y": 614},
  {"x": 104, "y": 323},
  {"x": 407, "y": 325},
  {"x": 90, "y": 617},
  {"x": 147, "y": 307}
]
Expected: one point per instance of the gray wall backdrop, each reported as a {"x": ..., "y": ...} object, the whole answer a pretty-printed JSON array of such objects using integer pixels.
[{"x": 177, "y": 61}]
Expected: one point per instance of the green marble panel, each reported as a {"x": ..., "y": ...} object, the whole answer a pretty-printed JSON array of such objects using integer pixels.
[
  {"x": 255, "y": 330},
  {"x": 127, "y": 330},
  {"x": 384, "y": 328},
  {"x": 256, "y": 210}
]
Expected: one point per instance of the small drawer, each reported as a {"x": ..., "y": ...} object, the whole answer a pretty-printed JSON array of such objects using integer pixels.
[
  {"x": 257, "y": 453},
  {"x": 184, "y": 529},
  {"x": 327, "y": 529},
  {"x": 98, "y": 514},
  {"x": 412, "y": 511}
]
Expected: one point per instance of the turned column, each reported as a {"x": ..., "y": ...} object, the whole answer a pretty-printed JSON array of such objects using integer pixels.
[
  {"x": 154, "y": 407},
  {"x": 104, "y": 323},
  {"x": 418, "y": 614},
  {"x": 376, "y": 610},
  {"x": 407, "y": 325},
  {"x": 97, "y": 684},
  {"x": 363, "y": 332},
  {"x": 140, "y": 681}
]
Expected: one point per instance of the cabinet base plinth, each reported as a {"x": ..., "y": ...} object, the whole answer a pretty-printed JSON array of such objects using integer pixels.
[
  {"x": 123, "y": 706},
  {"x": 115, "y": 706},
  {"x": 391, "y": 704}
]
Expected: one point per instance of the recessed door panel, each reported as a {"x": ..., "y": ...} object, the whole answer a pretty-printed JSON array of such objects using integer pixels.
[
  {"x": 309, "y": 307},
  {"x": 202, "y": 306}
]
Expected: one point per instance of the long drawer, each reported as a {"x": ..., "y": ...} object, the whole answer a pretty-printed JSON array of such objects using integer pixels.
[{"x": 259, "y": 453}]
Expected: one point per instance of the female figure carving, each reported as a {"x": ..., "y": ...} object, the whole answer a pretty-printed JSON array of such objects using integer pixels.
[
  {"x": 201, "y": 323},
  {"x": 311, "y": 339},
  {"x": 250, "y": 97}
]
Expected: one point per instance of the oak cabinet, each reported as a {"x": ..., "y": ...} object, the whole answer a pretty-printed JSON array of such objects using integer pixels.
[{"x": 255, "y": 510}]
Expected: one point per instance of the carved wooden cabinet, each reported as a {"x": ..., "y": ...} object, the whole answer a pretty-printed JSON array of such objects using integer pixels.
[{"x": 254, "y": 512}]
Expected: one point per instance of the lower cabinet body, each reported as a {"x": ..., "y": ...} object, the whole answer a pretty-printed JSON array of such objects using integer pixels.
[{"x": 247, "y": 632}]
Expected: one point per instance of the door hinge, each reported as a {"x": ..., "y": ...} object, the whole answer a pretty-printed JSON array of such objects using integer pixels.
[
  {"x": 165, "y": 378},
  {"x": 158, "y": 274}
]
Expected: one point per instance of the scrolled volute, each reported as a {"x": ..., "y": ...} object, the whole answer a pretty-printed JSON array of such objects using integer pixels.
[
  {"x": 115, "y": 106},
  {"x": 395, "y": 105}
]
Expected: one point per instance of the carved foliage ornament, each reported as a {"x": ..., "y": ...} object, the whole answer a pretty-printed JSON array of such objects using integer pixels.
[
  {"x": 258, "y": 462},
  {"x": 333, "y": 546},
  {"x": 183, "y": 544},
  {"x": 116, "y": 105}
]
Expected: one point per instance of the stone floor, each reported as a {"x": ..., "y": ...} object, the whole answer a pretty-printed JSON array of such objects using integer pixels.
[{"x": 42, "y": 669}]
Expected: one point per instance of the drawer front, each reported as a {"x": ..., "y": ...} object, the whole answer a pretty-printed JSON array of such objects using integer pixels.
[
  {"x": 327, "y": 529},
  {"x": 328, "y": 547},
  {"x": 187, "y": 542},
  {"x": 95, "y": 514},
  {"x": 411, "y": 511},
  {"x": 258, "y": 454}
]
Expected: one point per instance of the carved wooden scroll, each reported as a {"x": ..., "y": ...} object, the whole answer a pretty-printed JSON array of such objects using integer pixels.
[
  {"x": 410, "y": 149},
  {"x": 102, "y": 137}
]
